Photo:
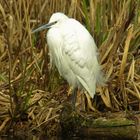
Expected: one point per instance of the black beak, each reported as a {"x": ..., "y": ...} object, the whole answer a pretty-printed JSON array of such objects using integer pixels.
[{"x": 43, "y": 27}]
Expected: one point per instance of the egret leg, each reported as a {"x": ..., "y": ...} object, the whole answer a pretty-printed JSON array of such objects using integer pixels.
[{"x": 74, "y": 97}]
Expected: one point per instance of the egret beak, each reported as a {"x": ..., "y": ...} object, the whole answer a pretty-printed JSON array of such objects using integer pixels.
[{"x": 43, "y": 27}]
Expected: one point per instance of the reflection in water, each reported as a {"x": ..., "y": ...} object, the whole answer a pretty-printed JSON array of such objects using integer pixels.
[{"x": 33, "y": 137}]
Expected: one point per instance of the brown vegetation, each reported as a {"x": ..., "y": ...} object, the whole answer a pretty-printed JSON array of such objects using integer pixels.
[{"x": 30, "y": 94}]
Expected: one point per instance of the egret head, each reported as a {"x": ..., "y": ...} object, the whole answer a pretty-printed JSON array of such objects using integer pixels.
[{"x": 55, "y": 20}]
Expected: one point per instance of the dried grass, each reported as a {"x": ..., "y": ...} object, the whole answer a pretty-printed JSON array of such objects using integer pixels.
[{"x": 29, "y": 91}]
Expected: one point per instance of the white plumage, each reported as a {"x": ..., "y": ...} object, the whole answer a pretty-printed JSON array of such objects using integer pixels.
[{"x": 73, "y": 51}]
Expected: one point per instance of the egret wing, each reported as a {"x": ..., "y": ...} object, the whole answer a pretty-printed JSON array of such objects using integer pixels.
[
  {"x": 79, "y": 50},
  {"x": 56, "y": 45}
]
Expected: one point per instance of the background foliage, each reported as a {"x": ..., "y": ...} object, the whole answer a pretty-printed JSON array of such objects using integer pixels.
[{"x": 30, "y": 91}]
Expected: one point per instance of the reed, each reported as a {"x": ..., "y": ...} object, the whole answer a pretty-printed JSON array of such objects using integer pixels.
[{"x": 30, "y": 91}]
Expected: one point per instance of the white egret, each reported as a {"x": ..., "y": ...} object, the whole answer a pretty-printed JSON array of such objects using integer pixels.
[{"x": 73, "y": 51}]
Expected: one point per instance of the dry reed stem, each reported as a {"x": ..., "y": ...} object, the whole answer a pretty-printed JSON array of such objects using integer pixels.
[
  {"x": 126, "y": 48},
  {"x": 4, "y": 123},
  {"x": 30, "y": 87}
]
